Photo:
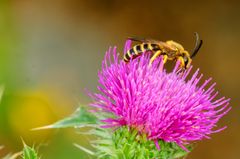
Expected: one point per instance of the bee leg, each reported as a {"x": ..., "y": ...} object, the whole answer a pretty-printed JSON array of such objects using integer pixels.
[
  {"x": 165, "y": 57},
  {"x": 155, "y": 56},
  {"x": 181, "y": 60}
]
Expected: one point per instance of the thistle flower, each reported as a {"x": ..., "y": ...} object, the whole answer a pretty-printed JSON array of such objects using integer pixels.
[{"x": 166, "y": 106}]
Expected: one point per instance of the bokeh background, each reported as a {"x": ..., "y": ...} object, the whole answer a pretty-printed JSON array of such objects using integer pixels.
[{"x": 50, "y": 51}]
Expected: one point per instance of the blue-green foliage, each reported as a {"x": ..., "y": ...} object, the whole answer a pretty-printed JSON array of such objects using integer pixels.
[
  {"x": 80, "y": 118},
  {"x": 125, "y": 143},
  {"x": 29, "y": 153},
  {"x": 26, "y": 153}
]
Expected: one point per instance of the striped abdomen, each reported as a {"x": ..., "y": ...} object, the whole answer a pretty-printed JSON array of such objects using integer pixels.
[{"x": 139, "y": 49}]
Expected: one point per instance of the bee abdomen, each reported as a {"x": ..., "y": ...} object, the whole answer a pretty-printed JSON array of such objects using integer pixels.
[
  {"x": 139, "y": 49},
  {"x": 155, "y": 47},
  {"x": 133, "y": 52}
]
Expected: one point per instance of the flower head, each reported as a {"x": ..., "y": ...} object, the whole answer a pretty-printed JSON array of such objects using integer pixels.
[{"x": 168, "y": 106}]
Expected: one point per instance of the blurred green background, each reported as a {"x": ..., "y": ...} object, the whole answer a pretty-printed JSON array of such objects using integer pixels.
[{"x": 50, "y": 51}]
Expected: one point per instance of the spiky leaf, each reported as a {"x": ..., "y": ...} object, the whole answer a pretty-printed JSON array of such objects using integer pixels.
[
  {"x": 80, "y": 118},
  {"x": 12, "y": 156},
  {"x": 29, "y": 153},
  {"x": 128, "y": 143}
]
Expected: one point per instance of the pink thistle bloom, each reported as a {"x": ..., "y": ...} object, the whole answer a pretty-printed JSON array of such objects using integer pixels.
[{"x": 165, "y": 106}]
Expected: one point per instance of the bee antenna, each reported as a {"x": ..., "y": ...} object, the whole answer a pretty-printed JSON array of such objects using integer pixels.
[{"x": 198, "y": 45}]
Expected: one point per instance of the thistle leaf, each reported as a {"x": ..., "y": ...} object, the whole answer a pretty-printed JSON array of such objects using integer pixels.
[
  {"x": 128, "y": 143},
  {"x": 12, "y": 156},
  {"x": 84, "y": 149},
  {"x": 80, "y": 118},
  {"x": 29, "y": 153}
]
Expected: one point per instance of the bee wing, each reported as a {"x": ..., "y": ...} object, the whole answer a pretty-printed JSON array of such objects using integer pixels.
[
  {"x": 138, "y": 39},
  {"x": 142, "y": 40}
]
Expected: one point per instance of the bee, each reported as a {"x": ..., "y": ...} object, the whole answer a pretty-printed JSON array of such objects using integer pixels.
[{"x": 170, "y": 50}]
